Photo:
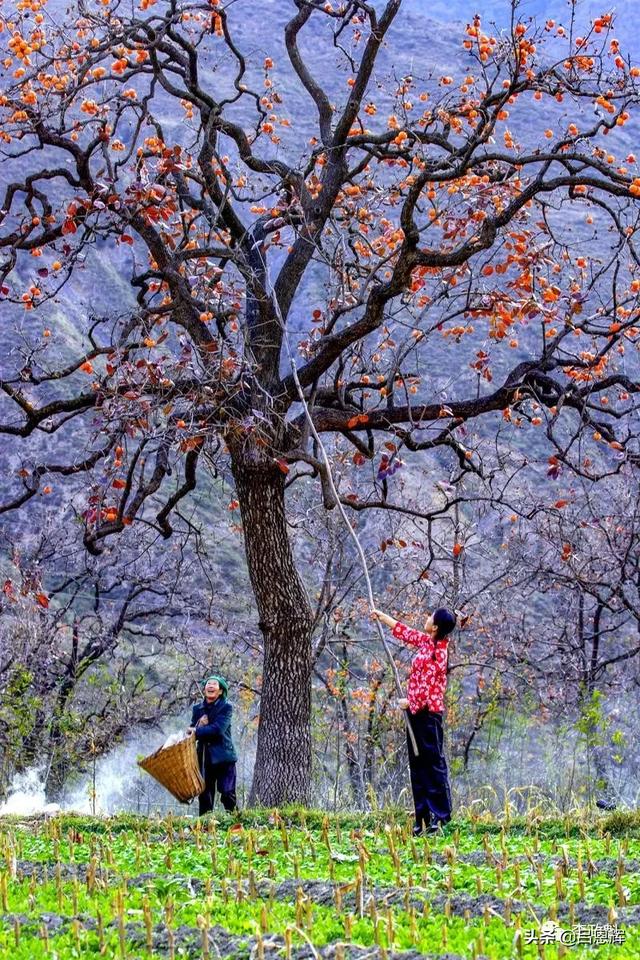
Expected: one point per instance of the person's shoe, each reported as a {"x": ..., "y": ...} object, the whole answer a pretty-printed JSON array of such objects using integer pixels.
[
  {"x": 417, "y": 830},
  {"x": 604, "y": 804},
  {"x": 437, "y": 826}
]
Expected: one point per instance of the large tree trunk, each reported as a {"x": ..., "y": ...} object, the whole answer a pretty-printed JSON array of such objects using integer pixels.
[{"x": 283, "y": 762}]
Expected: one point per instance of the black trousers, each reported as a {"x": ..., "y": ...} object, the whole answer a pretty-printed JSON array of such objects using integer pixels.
[
  {"x": 429, "y": 773},
  {"x": 220, "y": 776}
]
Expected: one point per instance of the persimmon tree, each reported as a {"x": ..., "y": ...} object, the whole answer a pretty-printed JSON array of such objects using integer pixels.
[{"x": 438, "y": 251}]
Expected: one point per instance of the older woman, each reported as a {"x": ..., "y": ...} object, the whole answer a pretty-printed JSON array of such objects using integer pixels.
[
  {"x": 425, "y": 703},
  {"x": 211, "y": 721}
]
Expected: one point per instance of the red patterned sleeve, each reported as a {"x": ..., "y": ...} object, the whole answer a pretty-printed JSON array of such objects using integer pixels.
[{"x": 413, "y": 638}]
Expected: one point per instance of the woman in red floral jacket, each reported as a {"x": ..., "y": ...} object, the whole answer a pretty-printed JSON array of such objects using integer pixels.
[{"x": 425, "y": 702}]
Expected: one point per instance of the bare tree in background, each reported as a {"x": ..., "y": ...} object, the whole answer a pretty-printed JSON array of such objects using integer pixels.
[{"x": 113, "y": 644}]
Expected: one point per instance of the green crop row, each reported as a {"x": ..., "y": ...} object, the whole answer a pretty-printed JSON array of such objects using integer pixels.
[
  {"x": 115, "y": 886},
  {"x": 388, "y": 927}
]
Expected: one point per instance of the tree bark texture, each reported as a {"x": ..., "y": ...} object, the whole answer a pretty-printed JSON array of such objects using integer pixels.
[{"x": 283, "y": 760}]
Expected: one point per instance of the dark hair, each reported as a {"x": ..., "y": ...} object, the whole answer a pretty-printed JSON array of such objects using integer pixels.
[{"x": 444, "y": 621}]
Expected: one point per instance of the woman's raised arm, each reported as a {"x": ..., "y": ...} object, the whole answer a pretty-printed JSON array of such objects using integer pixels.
[{"x": 384, "y": 618}]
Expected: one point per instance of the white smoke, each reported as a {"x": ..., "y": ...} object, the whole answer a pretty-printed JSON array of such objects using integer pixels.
[
  {"x": 27, "y": 795},
  {"x": 114, "y": 784}
]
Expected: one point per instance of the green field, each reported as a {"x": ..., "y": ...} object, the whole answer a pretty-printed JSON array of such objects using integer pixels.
[{"x": 301, "y": 884}]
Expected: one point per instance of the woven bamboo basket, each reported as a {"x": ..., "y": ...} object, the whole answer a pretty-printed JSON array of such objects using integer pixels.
[{"x": 176, "y": 768}]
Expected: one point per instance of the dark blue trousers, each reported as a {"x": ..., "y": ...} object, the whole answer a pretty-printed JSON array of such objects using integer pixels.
[
  {"x": 220, "y": 776},
  {"x": 429, "y": 773}
]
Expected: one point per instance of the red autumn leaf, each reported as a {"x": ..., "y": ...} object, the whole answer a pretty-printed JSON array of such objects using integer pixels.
[
  {"x": 457, "y": 549},
  {"x": 283, "y": 466},
  {"x": 86, "y": 367},
  {"x": 353, "y": 422},
  {"x": 42, "y": 599},
  {"x": 119, "y": 484},
  {"x": 191, "y": 443},
  {"x": 391, "y": 446},
  {"x": 560, "y": 504},
  {"x": 125, "y": 238}
]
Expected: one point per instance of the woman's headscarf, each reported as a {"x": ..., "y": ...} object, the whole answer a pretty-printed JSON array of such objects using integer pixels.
[{"x": 224, "y": 686}]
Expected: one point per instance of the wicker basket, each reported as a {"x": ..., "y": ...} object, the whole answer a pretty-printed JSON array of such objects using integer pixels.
[{"x": 176, "y": 768}]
